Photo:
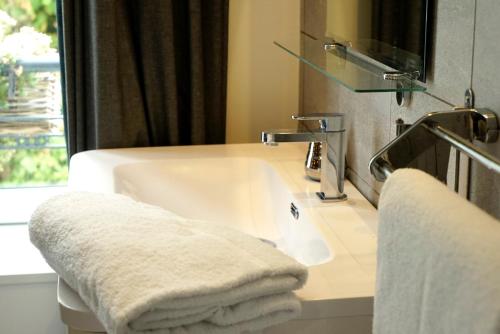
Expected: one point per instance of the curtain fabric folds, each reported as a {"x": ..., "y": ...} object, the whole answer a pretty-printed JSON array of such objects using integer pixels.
[{"x": 144, "y": 73}]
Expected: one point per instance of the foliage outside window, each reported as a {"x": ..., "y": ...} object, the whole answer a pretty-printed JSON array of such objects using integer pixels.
[{"x": 32, "y": 150}]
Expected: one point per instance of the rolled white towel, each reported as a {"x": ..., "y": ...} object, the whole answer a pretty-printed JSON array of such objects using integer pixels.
[{"x": 142, "y": 269}]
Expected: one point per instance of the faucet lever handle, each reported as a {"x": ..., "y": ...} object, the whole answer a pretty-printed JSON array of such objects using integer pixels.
[{"x": 327, "y": 122}]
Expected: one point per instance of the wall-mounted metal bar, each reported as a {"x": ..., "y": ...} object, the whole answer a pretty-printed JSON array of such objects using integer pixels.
[
  {"x": 455, "y": 127},
  {"x": 472, "y": 151}
]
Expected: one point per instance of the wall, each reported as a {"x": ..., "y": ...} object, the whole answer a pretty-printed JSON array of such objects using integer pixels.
[
  {"x": 30, "y": 308},
  {"x": 28, "y": 286},
  {"x": 464, "y": 55},
  {"x": 262, "y": 79}
]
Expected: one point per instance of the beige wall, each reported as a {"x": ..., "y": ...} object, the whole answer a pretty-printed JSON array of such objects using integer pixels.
[
  {"x": 349, "y": 19},
  {"x": 263, "y": 84}
]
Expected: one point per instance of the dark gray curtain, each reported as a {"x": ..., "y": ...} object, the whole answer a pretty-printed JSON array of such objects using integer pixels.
[{"x": 144, "y": 73}]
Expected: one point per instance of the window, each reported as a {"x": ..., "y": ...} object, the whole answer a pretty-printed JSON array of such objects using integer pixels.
[{"x": 32, "y": 145}]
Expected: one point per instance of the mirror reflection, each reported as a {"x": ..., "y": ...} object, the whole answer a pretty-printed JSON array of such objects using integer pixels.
[{"x": 393, "y": 32}]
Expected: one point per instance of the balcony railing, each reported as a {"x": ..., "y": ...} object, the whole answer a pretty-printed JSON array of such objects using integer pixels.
[{"x": 30, "y": 106}]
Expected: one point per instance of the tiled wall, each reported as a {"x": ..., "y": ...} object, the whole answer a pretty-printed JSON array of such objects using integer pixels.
[{"x": 465, "y": 54}]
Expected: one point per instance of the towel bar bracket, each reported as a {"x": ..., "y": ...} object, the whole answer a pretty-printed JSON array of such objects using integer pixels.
[
  {"x": 458, "y": 127},
  {"x": 485, "y": 125}
]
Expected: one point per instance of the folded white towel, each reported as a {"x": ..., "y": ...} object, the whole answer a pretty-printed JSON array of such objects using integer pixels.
[
  {"x": 142, "y": 269},
  {"x": 438, "y": 267}
]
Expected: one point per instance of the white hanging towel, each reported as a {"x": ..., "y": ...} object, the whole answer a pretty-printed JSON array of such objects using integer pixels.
[{"x": 438, "y": 267}]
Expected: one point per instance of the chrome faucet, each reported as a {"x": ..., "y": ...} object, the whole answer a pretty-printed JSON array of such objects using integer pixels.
[{"x": 332, "y": 135}]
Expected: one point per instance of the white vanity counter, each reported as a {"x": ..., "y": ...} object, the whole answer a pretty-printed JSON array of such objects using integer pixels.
[{"x": 194, "y": 180}]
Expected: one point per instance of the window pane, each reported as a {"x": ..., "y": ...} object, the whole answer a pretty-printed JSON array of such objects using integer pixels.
[{"x": 32, "y": 144}]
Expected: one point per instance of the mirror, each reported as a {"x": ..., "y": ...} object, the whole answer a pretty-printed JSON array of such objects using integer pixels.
[{"x": 392, "y": 32}]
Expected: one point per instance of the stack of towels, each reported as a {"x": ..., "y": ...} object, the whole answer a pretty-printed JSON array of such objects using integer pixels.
[
  {"x": 438, "y": 268},
  {"x": 142, "y": 269}
]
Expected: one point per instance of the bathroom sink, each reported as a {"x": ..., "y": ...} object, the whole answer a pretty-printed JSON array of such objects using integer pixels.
[
  {"x": 244, "y": 193},
  {"x": 262, "y": 191}
]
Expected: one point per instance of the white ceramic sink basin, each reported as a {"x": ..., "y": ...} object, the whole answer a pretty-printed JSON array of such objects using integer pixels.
[
  {"x": 243, "y": 193},
  {"x": 251, "y": 187}
]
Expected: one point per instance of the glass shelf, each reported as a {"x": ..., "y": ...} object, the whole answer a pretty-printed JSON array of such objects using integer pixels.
[{"x": 348, "y": 68}]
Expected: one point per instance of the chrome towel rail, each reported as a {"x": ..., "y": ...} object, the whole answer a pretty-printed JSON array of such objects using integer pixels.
[
  {"x": 456, "y": 127},
  {"x": 472, "y": 151}
]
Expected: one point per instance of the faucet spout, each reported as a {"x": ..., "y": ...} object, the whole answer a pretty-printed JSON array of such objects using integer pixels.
[
  {"x": 274, "y": 137},
  {"x": 332, "y": 135}
]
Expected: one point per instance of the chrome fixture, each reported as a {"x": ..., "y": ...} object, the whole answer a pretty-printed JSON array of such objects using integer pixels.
[
  {"x": 332, "y": 135},
  {"x": 401, "y": 127},
  {"x": 313, "y": 161},
  {"x": 334, "y": 46},
  {"x": 469, "y": 98},
  {"x": 403, "y": 97},
  {"x": 455, "y": 127},
  {"x": 398, "y": 75}
]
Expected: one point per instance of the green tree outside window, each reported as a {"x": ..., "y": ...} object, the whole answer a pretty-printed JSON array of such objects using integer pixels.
[{"x": 27, "y": 27}]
